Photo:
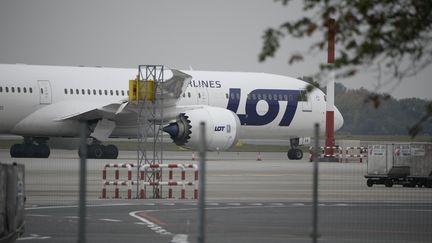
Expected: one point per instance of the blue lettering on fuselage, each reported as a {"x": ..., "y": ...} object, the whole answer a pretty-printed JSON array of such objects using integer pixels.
[{"x": 273, "y": 97}]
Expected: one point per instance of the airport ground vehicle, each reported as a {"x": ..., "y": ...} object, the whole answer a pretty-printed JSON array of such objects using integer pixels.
[{"x": 409, "y": 165}]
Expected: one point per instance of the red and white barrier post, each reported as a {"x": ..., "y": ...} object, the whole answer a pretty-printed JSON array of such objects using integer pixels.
[{"x": 359, "y": 155}]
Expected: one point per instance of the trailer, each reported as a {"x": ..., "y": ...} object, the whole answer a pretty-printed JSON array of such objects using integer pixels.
[{"x": 409, "y": 165}]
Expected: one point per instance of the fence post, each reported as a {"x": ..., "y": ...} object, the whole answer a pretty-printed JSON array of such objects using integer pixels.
[
  {"x": 82, "y": 186},
  {"x": 315, "y": 187},
  {"x": 201, "y": 196}
]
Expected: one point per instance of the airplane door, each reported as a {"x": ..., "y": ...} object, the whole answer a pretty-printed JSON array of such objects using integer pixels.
[
  {"x": 202, "y": 95},
  {"x": 44, "y": 92},
  {"x": 306, "y": 101}
]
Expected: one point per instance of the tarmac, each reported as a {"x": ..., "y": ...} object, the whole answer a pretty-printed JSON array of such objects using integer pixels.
[{"x": 247, "y": 200}]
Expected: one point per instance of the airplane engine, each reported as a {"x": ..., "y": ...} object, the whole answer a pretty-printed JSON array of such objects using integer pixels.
[{"x": 222, "y": 128}]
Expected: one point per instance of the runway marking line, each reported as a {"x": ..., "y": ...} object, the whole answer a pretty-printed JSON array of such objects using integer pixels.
[
  {"x": 111, "y": 220},
  {"x": 37, "y": 215},
  {"x": 151, "y": 218},
  {"x": 154, "y": 224},
  {"x": 89, "y": 206},
  {"x": 34, "y": 237}
]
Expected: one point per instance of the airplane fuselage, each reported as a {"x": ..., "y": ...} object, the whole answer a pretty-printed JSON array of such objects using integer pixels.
[{"x": 36, "y": 100}]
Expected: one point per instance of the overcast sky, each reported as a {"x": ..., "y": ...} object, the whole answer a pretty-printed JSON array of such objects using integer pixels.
[{"x": 217, "y": 35}]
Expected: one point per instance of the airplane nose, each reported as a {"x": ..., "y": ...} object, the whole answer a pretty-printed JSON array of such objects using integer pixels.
[{"x": 338, "y": 119}]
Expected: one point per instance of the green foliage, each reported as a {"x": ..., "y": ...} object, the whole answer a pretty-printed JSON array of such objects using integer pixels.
[
  {"x": 387, "y": 33},
  {"x": 394, "y": 35}
]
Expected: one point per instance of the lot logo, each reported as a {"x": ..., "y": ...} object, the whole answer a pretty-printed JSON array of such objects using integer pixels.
[
  {"x": 272, "y": 97},
  {"x": 219, "y": 128}
]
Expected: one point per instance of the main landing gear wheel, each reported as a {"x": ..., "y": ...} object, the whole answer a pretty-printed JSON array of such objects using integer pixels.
[
  {"x": 99, "y": 151},
  {"x": 29, "y": 149},
  {"x": 295, "y": 154}
]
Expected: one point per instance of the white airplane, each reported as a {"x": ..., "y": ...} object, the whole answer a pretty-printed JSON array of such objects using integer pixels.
[{"x": 39, "y": 102}]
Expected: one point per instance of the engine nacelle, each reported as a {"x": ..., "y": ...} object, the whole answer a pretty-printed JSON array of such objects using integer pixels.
[{"x": 222, "y": 128}]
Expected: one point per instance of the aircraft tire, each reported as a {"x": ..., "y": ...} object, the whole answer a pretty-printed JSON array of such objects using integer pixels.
[
  {"x": 289, "y": 154},
  {"x": 298, "y": 154},
  {"x": 388, "y": 183},
  {"x": 95, "y": 151},
  {"x": 295, "y": 154},
  {"x": 14, "y": 150},
  {"x": 41, "y": 151},
  {"x": 369, "y": 183},
  {"x": 111, "y": 152},
  {"x": 29, "y": 151}
]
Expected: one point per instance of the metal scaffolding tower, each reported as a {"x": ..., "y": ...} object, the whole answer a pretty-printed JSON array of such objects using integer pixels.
[{"x": 146, "y": 91}]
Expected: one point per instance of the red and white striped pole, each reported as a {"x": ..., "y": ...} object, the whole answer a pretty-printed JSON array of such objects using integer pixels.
[{"x": 330, "y": 140}]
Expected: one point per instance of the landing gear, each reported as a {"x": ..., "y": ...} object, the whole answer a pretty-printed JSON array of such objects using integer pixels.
[
  {"x": 31, "y": 148},
  {"x": 294, "y": 153},
  {"x": 99, "y": 151}
]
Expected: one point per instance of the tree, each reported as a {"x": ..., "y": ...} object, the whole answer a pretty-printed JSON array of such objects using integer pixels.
[{"x": 395, "y": 36}]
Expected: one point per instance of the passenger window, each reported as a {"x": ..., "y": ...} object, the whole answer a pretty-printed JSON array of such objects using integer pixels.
[
  {"x": 184, "y": 95},
  {"x": 77, "y": 91},
  {"x": 111, "y": 92},
  {"x": 65, "y": 91},
  {"x": 226, "y": 95},
  {"x": 31, "y": 90},
  {"x": 106, "y": 92},
  {"x": 280, "y": 97},
  {"x": 270, "y": 97},
  {"x": 25, "y": 90},
  {"x": 238, "y": 96},
  {"x": 7, "y": 89},
  {"x": 189, "y": 94},
  {"x": 199, "y": 95},
  {"x": 83, "y": 92},
  {"x": 274, "y": 96},
  {"x": 117, "y": 92},
  {"x": 1, "y": 89},
  {"x": 94, "y": 92},
  {"x": 40, "y": 90},
  {"x": 71, "y": 91},
  {"x": 100, "y": 92},
  {"x": 19, "y": 89},
  {"x": 259, "y": 96},
  {"x": 13, "y": 89},
  {"x": 122, "y": 92},
  {"x": 88, "y": 92},
  {"x": 264, "y": 96},
  {"x": 254, "y": 96}
]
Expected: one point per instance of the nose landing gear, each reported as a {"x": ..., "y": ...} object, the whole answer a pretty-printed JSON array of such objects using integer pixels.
[{"x": 294, "y": 153}]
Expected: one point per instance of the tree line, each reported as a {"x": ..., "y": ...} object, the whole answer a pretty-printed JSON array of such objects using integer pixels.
[{"x": 364, "y": 116}]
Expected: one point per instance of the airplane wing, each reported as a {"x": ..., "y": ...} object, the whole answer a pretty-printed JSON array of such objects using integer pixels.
[{"x": 172, "y": 90}]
